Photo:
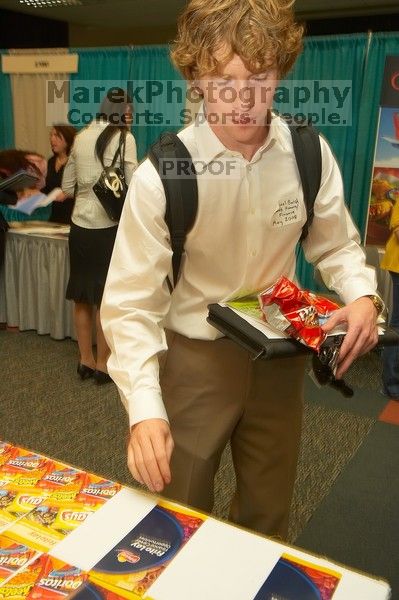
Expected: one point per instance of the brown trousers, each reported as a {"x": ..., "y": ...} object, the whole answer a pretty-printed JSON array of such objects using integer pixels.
[{"x": 213, "y": 393}]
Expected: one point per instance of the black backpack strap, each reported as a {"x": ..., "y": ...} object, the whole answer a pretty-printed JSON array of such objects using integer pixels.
[
  {"x": 307, "y": 149},
  {"x": 175, "y": 167}
]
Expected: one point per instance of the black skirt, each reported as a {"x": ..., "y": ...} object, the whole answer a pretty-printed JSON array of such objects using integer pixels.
[
  {"x": 90, "y": 253},
  {"x": 61, "y": 212}
]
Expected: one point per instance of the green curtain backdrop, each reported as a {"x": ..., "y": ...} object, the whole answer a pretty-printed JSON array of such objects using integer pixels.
[
  {"x": 338, "y": 59},
  {"x": 357, "y": 58},
  {"x": 381, "y": 45},
  {"x": 152, "y": 64},
  {"x": 6, "y": 111},
  {"x": 132, "y": 68},
  {"x": 102, "y": 63},
  {"x": 97, "y": 67}
]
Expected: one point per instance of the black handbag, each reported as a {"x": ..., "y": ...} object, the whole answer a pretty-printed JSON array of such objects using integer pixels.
[{"x": 111, "y": 187}]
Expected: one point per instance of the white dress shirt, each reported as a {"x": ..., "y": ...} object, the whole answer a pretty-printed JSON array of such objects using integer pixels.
[
  {"x": 84, "y": 169},
  {"x": 243, "y": 239}
]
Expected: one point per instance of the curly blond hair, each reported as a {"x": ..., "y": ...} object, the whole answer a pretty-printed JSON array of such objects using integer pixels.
[{"x": 262, "y": 32}]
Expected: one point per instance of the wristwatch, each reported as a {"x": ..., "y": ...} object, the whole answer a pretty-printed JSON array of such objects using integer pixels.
[{"x": 378, "y": 303}]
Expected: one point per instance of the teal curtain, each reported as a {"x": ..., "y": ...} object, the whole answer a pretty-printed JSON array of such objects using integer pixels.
[
  {"x": 102, "y": 63},
  {"x": 39, "y": 214},
  {"x": 337, "y": 59},
  {"x": 98, "y": 69},
  {"x": 381, "y": 45},
  {"x": 6, "y": 111},
  {"x": 164, "y": 98},
  {"x": 144, "y": 71}
]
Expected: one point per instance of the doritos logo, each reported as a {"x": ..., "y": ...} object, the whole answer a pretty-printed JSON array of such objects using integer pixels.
[
  {"x": 28, "y": 463},
  {"x": 99, "y": 490},
  {"x": 57, "y": 583},
  {"x": 61, "y": 477}
]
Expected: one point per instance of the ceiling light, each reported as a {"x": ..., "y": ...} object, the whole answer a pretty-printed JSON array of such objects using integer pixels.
[{"x": 47, "y": 3}]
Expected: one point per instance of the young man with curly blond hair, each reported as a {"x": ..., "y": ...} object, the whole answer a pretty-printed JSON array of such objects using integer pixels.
[{"x": 208, "y": 391}]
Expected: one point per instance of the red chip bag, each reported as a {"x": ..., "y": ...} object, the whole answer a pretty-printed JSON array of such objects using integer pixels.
[{"x": 298, "y": 313}]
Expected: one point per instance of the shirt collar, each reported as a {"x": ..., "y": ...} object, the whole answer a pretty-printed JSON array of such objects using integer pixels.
[
  {"x": 275, "y": 136},
  {"x": 277, "y": 129},
  {"x": 209, "y": 145}
]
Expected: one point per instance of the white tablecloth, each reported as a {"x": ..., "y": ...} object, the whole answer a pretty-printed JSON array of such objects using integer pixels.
[{"x": 33, "y": 281}]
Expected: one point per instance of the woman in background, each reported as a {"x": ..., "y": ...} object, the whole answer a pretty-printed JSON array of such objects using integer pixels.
[
  {"x": 61, "y": 140},
  {"x": 390, "y": 354},
  {"x": 92, "y": 235}
]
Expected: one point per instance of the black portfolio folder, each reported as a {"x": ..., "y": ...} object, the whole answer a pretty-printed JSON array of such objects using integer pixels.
[
  {"x": 239, "y": 330},
  {"x": 18, "y": 181}
]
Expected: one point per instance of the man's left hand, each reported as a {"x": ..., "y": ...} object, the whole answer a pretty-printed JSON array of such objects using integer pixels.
[{"x": 360, "y": 317}]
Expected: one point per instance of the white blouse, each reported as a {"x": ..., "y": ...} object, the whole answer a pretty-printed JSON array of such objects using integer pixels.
[{"x": 83, "y": 169}]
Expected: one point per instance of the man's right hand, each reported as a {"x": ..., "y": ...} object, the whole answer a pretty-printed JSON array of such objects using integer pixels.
[{"x": 149, "y": 451}]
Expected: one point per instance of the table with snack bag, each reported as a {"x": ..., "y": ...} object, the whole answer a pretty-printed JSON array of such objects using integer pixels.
[{"x": 66, "y": 533}]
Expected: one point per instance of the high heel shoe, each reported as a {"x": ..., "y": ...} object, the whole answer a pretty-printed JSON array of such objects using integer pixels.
[
  {"x": 84, "y": 372},
  {"x": 100, "y": 377}
]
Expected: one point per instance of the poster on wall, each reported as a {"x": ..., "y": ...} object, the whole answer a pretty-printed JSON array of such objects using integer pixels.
[{"x": 384, "y": 191}]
